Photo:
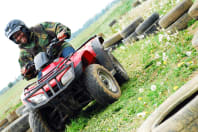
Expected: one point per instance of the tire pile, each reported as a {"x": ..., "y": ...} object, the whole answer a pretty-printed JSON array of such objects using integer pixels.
[
  {"x": 175, "y": 20},
  {"x": 179, "y": 113},
  {"x": 16, "y": 121}
]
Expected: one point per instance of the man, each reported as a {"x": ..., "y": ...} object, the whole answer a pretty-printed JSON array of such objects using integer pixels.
[{"x": 36, "y": 39}]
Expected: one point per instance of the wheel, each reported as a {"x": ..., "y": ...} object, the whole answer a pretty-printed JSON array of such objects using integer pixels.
[
  {"x": 178, "y": 113},
  {"x": 131, "y": 27},
  {"x": 101, "y": 85},
  {"x": 40, "y": 123},
  {"x": 175, "y": 13},
  {"x": 147, "y": 23},
  {"x": 121, "y": 75},
  {"x": 180, "y": 23},
  {"x": 193, "y": 11},
  {"x": 113, "y": 40}
]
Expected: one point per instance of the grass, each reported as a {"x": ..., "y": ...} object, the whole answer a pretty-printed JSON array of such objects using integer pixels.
[
  {"x": 10, "y": 100},
  {"x": 157, "y": 66}
]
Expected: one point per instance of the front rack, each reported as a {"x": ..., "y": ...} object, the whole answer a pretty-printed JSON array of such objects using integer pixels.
[{"x": 45, "y": 80}]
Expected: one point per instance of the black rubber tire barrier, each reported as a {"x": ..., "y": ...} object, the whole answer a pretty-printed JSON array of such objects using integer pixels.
[
  {"x": 136, "y": 3},
  {"x": 131, "y": 27},
  {"x": 112, "y": 22},
  {"x": 19, "y": 125},
  {"x": 178, "y": 113},
  {"x": 113, "y": 40},
  {"x": 131, "y": 38},
  {"x": 180, "y": 23},
  {"x": 193, "y": 11},
  {"x": 175, "y": 13},
  {"x": 152, "y": 29},
  {"x": 147, "y": 23},
  {"x": 97, "y": 88}
]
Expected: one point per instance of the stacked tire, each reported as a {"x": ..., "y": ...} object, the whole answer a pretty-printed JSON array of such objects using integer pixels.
[
  {"x": 177, "y": 18},
  {"x": 179, "y": 113},
  {"x": 17, "y": 121},
  {"x": 144, "y": 28}
]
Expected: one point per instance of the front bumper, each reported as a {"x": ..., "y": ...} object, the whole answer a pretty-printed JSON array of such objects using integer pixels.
[{"x": 52, "y": 92}]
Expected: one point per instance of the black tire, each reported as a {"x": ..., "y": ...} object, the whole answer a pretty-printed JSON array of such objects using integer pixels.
[
  {"x": 180, "y": 23},
  {"x": 147, "y": 23},
  {"x": 113, "y": 40},
  {"x": 131, "y": 27},
  {"x": 112, "y": 23},
  {"x": 39, "y": 124},
  {"x": 121, "y": 75},
  {"x": 152, "y": 29},
  {"x": 101, "y": 84},
  {"x": 19, "y": 125},
  {"x": 193, "y": 11},
  {"x": 131, "y": 38},
  {"x": 175, "y": 13},
  {"x": 178, "y": 113},
  {"x": 136, "y": 3}
]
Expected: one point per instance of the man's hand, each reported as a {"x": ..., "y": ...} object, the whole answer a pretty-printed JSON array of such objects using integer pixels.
[
  {"x": 28, "y": 71},
  {"x": 62, "y": 35}
]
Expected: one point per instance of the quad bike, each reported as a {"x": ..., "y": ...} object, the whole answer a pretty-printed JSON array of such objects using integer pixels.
[{"x": 68, "y": 84}]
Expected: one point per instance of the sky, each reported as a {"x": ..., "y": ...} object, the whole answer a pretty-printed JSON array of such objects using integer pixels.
[{"x": 72, "y": 13}]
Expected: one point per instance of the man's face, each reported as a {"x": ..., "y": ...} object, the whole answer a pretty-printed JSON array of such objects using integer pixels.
[{"x": 20, "y": 37}]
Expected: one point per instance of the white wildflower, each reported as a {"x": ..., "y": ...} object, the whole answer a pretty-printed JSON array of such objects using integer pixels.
[
  {"x": 164, "y": 57},
  {"x": 141, "y": 114},
  {"x": 177, "y": 1},
  {"x": 153, "y": 87},
  {"x": 160, "y": 37},
  {"x": 122, "y": 47},
  {"x": 168, "y": 37},
  {"x": 188, "y": 53},
  {"x": 158, "y": 63},
  {"x": 141, "y": 90},
  {"x": 157, "y": 56},
  {"x": 140, "y": 36}
]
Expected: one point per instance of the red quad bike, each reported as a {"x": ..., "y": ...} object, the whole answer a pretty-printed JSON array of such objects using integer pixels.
[{"x": 69, "y": 84}]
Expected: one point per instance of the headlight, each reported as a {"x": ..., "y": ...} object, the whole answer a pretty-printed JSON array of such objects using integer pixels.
[
  {"x": 38, "y": 98},
  {"x": 68, "y": 76}
]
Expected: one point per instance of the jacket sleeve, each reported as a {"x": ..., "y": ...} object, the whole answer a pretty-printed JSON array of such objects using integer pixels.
[
  {"x": 56, "y": 28},
  {"x": 24, "y": 58}
]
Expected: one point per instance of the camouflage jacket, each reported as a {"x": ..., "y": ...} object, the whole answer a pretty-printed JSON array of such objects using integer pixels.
[{"x": 40, "y": 37}]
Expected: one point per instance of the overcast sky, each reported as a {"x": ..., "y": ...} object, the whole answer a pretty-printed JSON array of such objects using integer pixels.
[{"x": 72, "y": 13}]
